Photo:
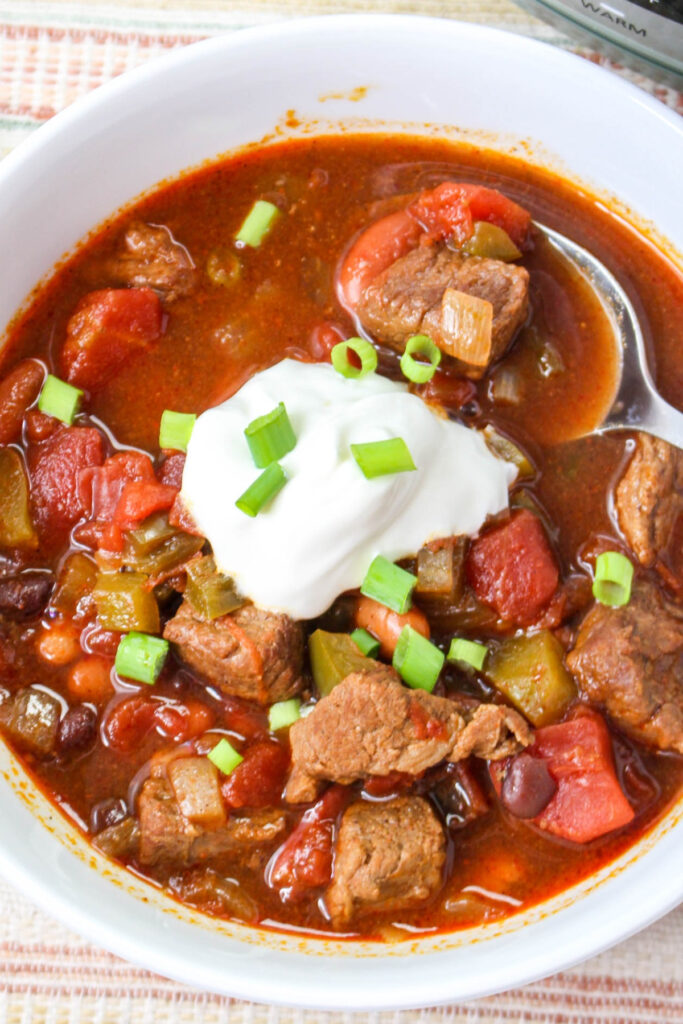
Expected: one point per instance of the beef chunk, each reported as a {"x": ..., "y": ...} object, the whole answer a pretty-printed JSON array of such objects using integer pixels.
[
  {"x": 649, "y": 497},
  {"x": 372, "y": 725},
  {"x": 630, "y": 660},
  {"x": 168, "y": 839},
  {"x": 389, "y": 856},
  {"x": 152, "y": 258},
  {"x": 406, "y": 298},
  {"x": 31, "y": 718},
  {"x": 251, "y": 653}
]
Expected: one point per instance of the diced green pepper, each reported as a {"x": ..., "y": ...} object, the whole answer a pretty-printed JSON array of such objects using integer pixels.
[
  {"x": 440, "y": 570},
  {"x": 530, "y": 672},
  {"x": 125, "y": 603},
  {"x": 491, "y": 242},
  {"x": 334, "y": 656},
  {"x": 210, "y": 593},
  {"x": 76, "y": 580},
  {"x": 151, "y": 534},
  {"x": 16, "y": 528},
  {"x": 171, "y": 553}
]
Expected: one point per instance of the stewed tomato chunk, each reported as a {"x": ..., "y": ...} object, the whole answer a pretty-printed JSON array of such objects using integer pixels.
[
  {"x": 106, "y": 328},
  {"x": 304, "y": 861},
  {"x": 512, "y": 568}
]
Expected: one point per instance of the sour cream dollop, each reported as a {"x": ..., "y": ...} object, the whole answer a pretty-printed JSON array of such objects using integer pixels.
[{"x": 318, "y": 536}]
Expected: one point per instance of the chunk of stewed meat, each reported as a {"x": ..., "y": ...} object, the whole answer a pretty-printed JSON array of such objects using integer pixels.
[
  {"x": 630, "y": 661},
  {"x": 251, "y": 653},
  {"x": 170, "y": 840},
  {"x": 407, "y": 298},
  {"x": 372, "y": 725},
  {"x": 25, "y": 595},
  {"x": 31, "y": 718},
  {"x": 389, "y": 856},
  {"x": 649, "y": 497},
  {"x": 150, "y": 257}
]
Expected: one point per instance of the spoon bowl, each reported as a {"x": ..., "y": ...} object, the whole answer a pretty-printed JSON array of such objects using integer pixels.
[{"x": 637, "y": 405}]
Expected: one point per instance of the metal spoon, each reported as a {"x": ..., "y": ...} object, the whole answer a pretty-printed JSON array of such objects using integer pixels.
[{"x": 637, "y": 405}]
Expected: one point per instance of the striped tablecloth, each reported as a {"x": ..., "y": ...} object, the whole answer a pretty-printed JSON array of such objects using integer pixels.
[{"x": 50, "y": 54}]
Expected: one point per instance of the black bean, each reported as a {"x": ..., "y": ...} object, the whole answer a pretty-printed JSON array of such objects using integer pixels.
[
  {"x": 77, "y": 728},
  {"x": 24, "y": 596},
  {"x": 107, "y": 813},
  {"x": 528, "y": 786}
]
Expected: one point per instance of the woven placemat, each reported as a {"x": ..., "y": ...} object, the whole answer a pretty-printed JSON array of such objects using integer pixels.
[{"x": 50, "y": 54}]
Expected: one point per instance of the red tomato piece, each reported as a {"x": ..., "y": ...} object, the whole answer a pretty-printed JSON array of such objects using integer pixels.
[
  {"x": 101, "y": 488},
  {"x": 323, "y": 339},
  {"x": 259, "y": 780},
  {"x": 589, "y": 801},
  {"x": 304, "y": 861},
  {"x": 96, "y": 640},
  {"x": 180, "y": 517},
  {"x": 512, "y": 568},
  {"x": 450, "y": 392},
  {"x": 55, "y": 468},
  {"x": 243, "y": 718},
  {"x": 171, "y": 470},
  {"x": 450, "y": 210},
  {"x": 184, "y": 720},
  {"x": 386, "y": 785},
  {"x": 139, "y": 499},
  {"x": 106, "y": 328},
  {"x": 126, "y": 726}
]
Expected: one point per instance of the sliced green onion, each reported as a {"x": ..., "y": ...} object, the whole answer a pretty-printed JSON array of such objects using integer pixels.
[
  {"x": 365, "y": 352},
  {"x": 613, "y": 578},
  {"x": 270, "y": 437},
  {"x": 381, "y": 458},
  {"x": 263, "y": 490},
  {"x": 366, "y": 642},
  {"x": 468, "y": 651},
  {"x": 284, "y": 713},
  {"x": 225, "y": 757},
  {"x": 257, "y": 223},
  {"x": 417, "y": 660},
  {"x": 389, "y": 584},
  {"x": 59, "y": 399},
  {"x": 141, "y": 657},
  {"x": 175, "y": 429},
  {"x": 419, "y": 372}
]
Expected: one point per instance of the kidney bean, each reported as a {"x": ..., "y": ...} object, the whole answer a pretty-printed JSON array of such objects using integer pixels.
[
  {"x": 77, "y": 728},
  {"x": 24, "y": 596},
  {"x": 107, "y": 813},
  {"x": 18, "y": 391},
  {"x": 528, "y": 786}
]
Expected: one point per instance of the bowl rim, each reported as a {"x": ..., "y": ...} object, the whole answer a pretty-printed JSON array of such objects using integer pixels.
[{"x": 247, "y": 985}]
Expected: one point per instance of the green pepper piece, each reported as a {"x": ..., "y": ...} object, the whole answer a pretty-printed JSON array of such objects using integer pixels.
[
  {"x": 441, "y": 569},
  {"x": 334, "y": 656},
  {"x": 151, "y": 534},
  {"x": 530, "y": 672},
  {"x": 491, "y": 242},
  {"x": 125, "y": 603},
  {"x": 170, "y": 554},
  {"x": 16, "y": 528},
  {"x": 76, "y": 580},
  {"x": 210, "y": 593}
]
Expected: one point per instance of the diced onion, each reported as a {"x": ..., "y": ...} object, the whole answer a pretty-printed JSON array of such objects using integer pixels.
[{"x": 466, "y": 328}]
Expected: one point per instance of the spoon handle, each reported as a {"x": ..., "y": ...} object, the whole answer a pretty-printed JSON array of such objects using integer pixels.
[{"x": 654, "y": 416}]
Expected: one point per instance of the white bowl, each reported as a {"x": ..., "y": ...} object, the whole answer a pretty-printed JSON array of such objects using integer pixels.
[{"x": 423, "y": 76}]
